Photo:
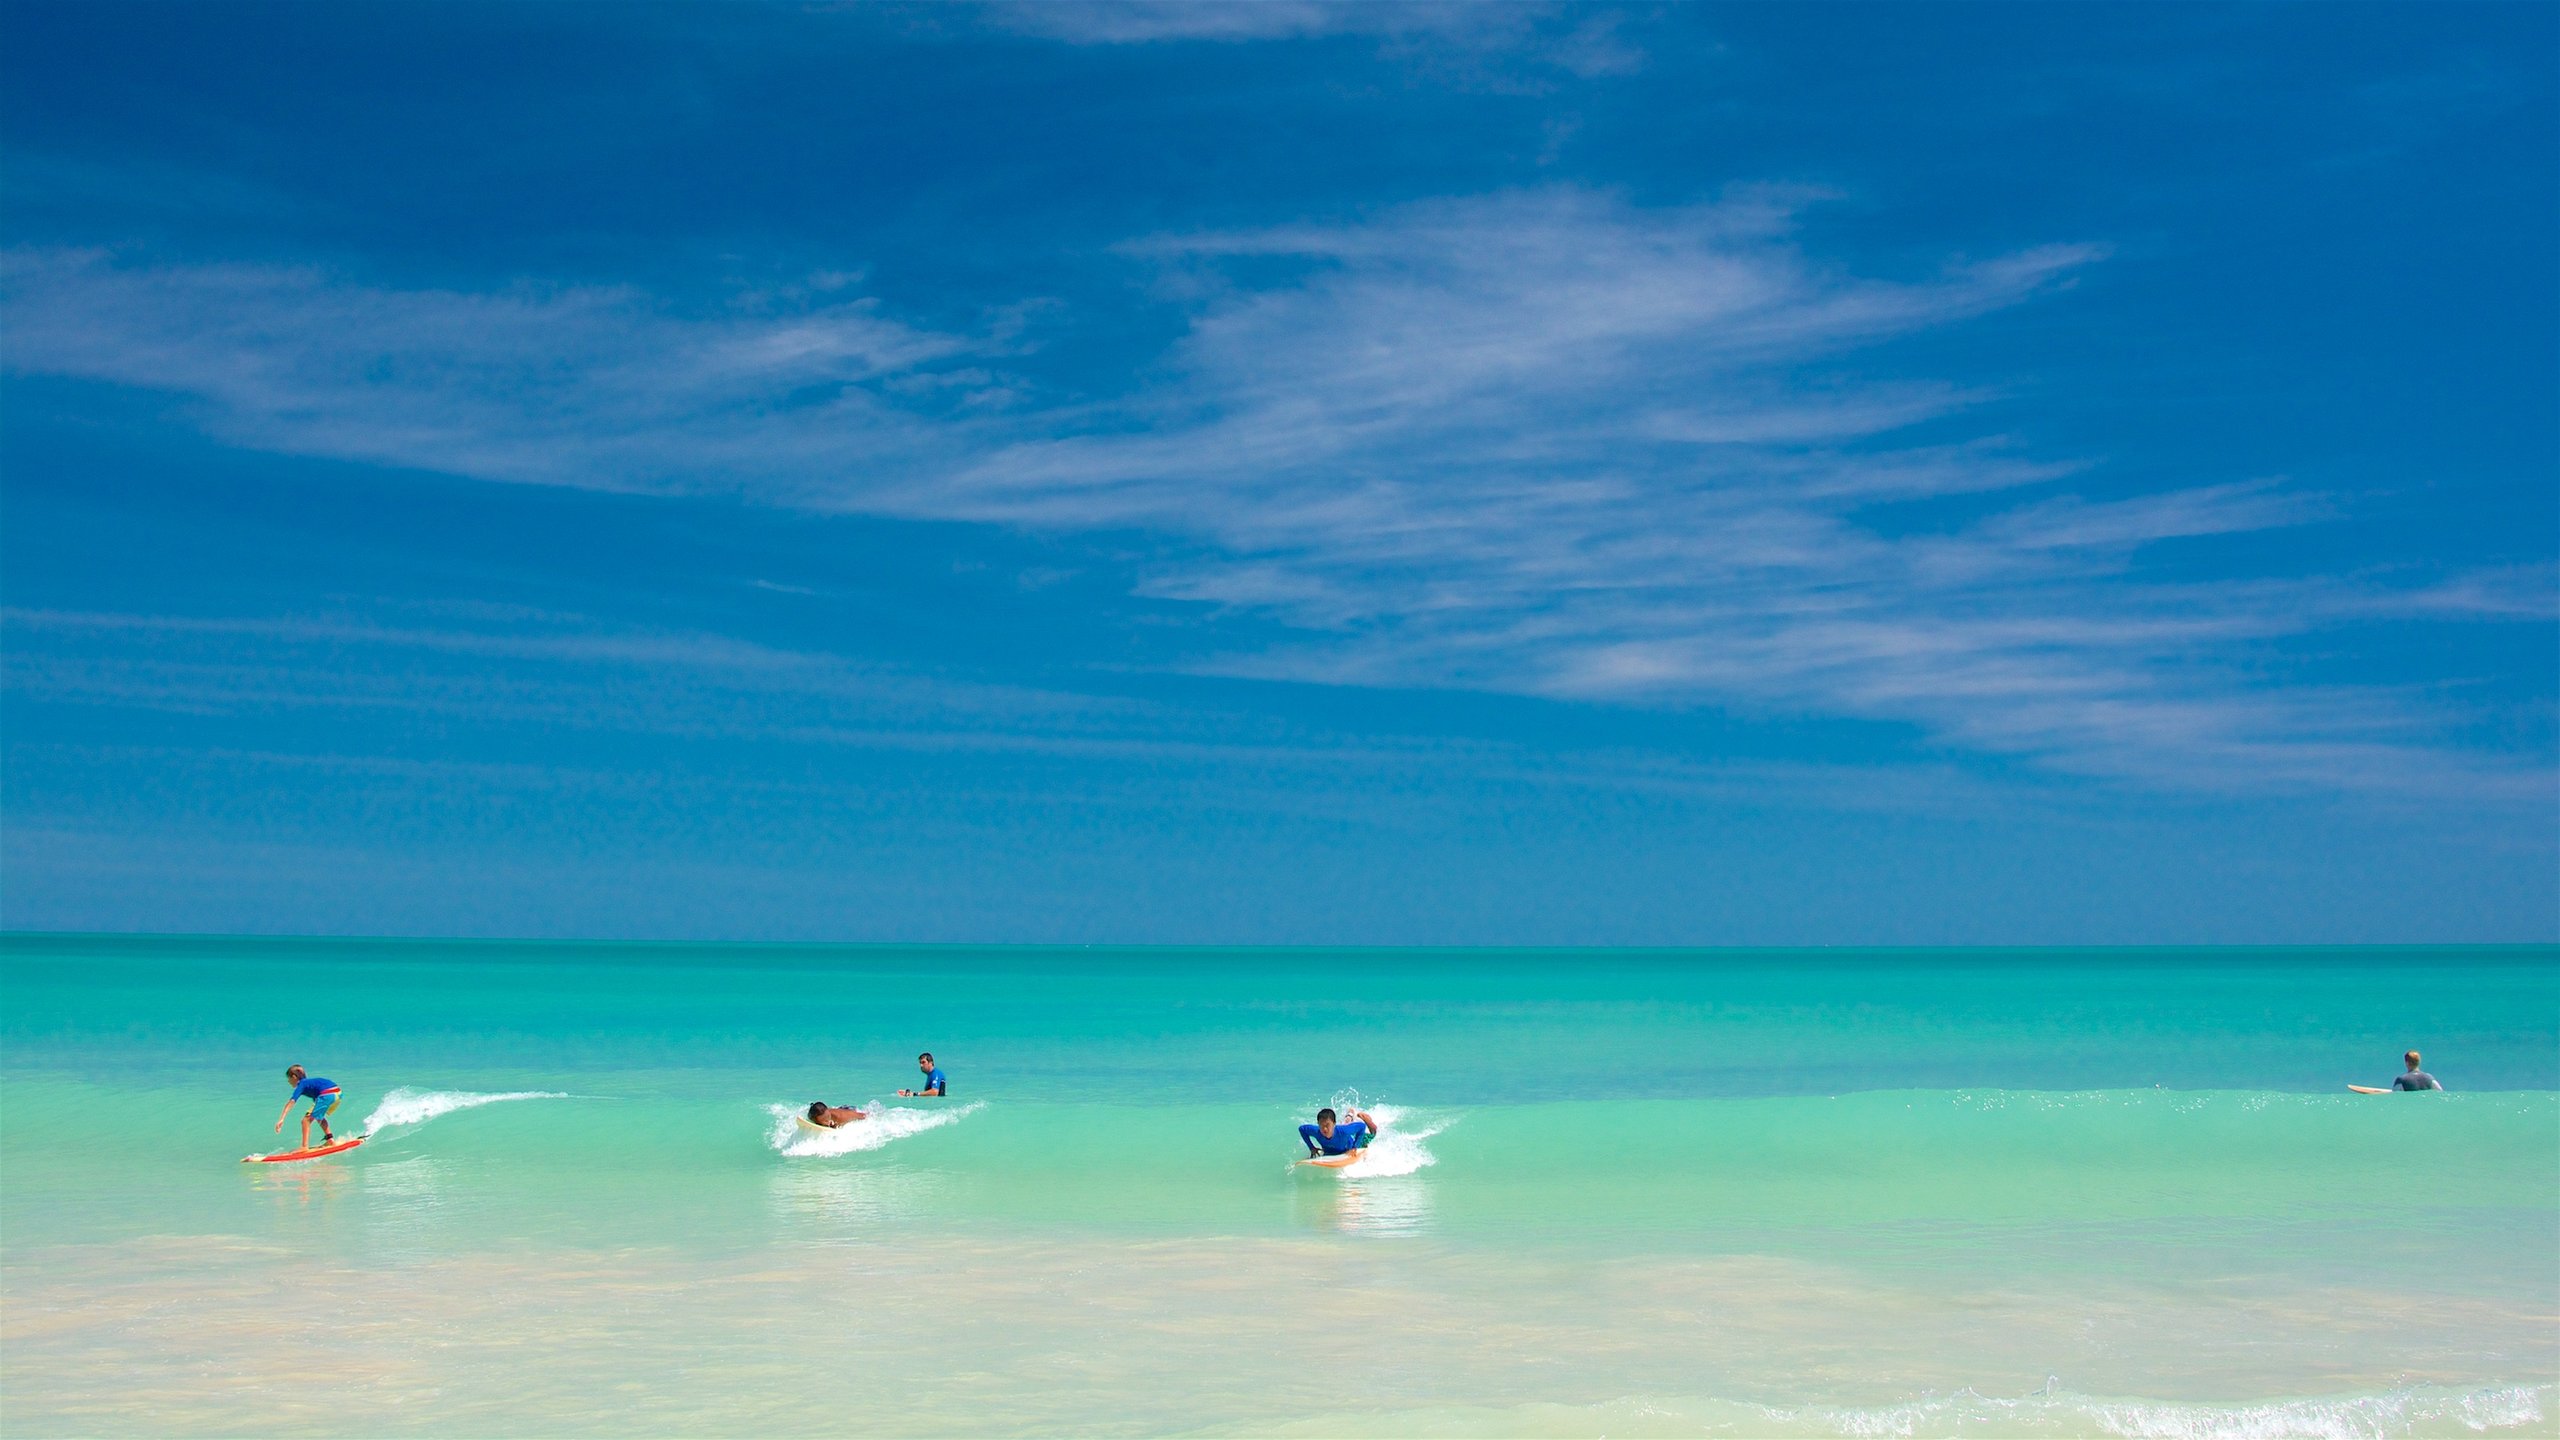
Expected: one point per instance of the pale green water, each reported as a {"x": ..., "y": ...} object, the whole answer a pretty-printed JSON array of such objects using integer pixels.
[{"x": 1709, "y": 1192}]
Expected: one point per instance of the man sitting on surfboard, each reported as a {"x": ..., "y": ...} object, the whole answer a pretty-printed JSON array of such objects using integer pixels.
[
  {"x": 1326, "y": 1138},
  {"x": 831, "y": 1116},
  {"x": 323, "y": 1095},
  {"x": 2416, "y": 1079},
  {"x": 934, "y": 1084}
]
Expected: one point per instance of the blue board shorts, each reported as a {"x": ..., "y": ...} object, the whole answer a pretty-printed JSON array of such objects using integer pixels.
[{"x": 321, "y": 1105}]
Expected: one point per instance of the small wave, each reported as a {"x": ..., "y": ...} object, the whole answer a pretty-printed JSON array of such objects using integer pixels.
[
  {"x": 2415, "y": 1411},
  {"x": 2412, "y": 1411},
  {"x": 416, "y": 1107},
  {"x": 881, "y": 1127}
]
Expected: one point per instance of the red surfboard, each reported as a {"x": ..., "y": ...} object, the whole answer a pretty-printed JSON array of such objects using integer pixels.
[{"x": 314, "y": 1153}]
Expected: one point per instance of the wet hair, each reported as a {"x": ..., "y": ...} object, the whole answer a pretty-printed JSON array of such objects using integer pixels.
[
  {"x": 1325, "y": 1114},
  {"x": 817, "y": 1108},
  {"x": 926, "y": 1055},
  {"x": 2411, "y": 1057},
  {"x": 294, "y": 1072}
]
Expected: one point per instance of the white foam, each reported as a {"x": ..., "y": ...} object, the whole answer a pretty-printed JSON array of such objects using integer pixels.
[
  {"x": 416, "y": 1107},
  {"x": 2417, "y": 1411},
  {"x": 1398, "y": 1150},
  {"x": 2412, "y": 1411},
  {"x": 879, "y": 1127}
]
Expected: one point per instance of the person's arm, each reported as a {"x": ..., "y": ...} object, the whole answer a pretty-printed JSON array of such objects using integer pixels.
[
  {"x": 285, "y": 1112},
  {"x": 1307, "y": 1133}
]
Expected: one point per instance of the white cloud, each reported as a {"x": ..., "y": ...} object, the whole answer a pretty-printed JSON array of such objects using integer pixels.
[
  {"x": 1138, "y": 22},
  {"x": 1544, "y": 442},
  {"x": 595, "y": 388},
  {"x": 1579, "y": 40}
]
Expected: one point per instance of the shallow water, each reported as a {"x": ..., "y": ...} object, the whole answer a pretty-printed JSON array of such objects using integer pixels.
[{"x": 1649, "y": 1193}]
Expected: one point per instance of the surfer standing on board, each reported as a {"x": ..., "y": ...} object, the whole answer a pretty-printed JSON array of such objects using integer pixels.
[
  {"x": 2416, "y": 1079},
  {"x": 1327, "y": 1138},
  {"x": 323, "y": 1095},
  {"x": 934, "y": 1084}
]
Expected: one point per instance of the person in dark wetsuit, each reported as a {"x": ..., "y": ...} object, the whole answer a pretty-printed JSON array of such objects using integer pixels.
[
  {"x": 1327, "y": 1138},
  {"x": 323, "y": 1095},
  {"x": 2416, "y": 1079}
]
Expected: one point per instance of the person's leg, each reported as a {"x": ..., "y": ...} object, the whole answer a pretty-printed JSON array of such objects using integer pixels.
[{"x": 322, "y": 1112}]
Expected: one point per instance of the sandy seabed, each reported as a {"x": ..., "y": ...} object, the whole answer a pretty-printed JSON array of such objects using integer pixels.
[{"x": 1099, "y": 1335}]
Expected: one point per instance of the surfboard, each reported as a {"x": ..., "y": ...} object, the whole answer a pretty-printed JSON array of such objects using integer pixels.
[
  {"x": 814, "y": 1128},
  {"x": 1331, "y": 1162},
  {"x": 314, "y": 1153},
  {"x": 2368, "y": 1090}
]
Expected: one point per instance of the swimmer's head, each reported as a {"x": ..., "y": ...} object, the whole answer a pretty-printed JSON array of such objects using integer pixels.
[
  {"x": 294, "y": 1073},
  {"x": 817, "y": 1109},
  {"x": 1324, "y": 1120},
  {"x": 925, "y": 1061},
  {"x": 2412, "y": 1058}
]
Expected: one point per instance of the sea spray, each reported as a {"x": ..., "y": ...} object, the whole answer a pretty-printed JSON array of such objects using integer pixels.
[
  {"x": 405, "y": 1106},
  {"x": 877, "y": 1128}
]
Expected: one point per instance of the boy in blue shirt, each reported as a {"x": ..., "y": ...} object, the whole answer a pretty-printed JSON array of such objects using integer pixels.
[
  {"x": 934, "y": 1084},
  {"x": 1326, "y": 1138},
  {"x": 323, "y": 1095}
]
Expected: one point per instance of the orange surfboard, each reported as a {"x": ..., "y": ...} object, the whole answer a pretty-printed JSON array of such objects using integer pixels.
[
  {"x": 1332, "y": 1162},
  {"x": 314, "y": 1153}
]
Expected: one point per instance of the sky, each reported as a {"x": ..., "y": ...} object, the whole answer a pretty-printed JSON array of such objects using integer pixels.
[{"x": 1282, "y": 472}]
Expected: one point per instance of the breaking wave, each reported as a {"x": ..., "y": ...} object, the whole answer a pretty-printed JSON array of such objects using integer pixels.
[{"x": 416, "y": 1107}]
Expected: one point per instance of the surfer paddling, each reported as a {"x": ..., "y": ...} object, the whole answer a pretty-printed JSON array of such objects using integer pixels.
[
  {"x": 323, "y": 1095},
  {"x": 934, "y": 1084},
  {"x": 1325, "y": 1137},
  {"x": 832, "y": 1116}
]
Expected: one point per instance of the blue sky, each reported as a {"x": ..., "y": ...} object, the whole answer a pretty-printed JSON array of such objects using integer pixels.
[{"x": 1283, "y": 472}]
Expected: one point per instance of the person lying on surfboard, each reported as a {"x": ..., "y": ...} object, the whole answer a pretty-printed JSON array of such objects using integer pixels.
[
  {"x": 323, "y": 1095},
  {"x": 1327, "y": 1138},
  {"x": 831, "y": 1116},
  {"x": 934, "y": 1084}
]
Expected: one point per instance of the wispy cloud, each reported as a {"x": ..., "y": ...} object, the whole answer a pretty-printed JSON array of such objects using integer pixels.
[
  {"x": 596, "y": 388},
  {"x": 1127, "y": 22},
  {"x": 1583, "y": 40},
  {"x": 1544, "y": 442},
  {"x": 251, "y": 664}
]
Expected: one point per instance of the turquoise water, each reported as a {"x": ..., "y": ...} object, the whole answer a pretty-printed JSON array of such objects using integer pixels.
[{"x": 1632, "y": 1192}]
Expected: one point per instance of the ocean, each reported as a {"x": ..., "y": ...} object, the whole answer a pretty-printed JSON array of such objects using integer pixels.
[{"x": 1714, "y": 1192}]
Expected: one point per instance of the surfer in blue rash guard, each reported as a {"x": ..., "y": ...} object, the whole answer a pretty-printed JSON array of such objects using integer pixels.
[
  {"x": 934, "y": 1084},
  {"x": 323, "y": 1095},
  {"x": 1327, "y": 1138}
]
